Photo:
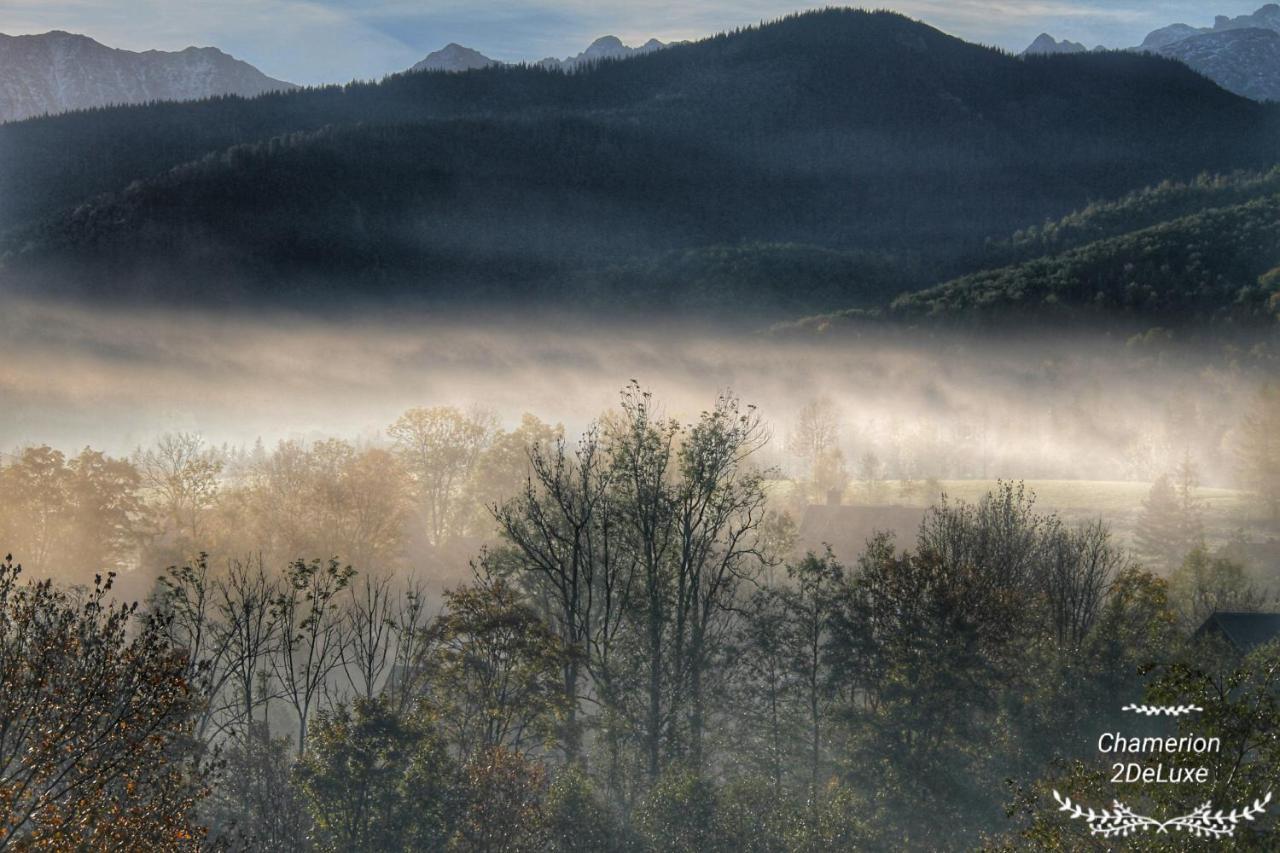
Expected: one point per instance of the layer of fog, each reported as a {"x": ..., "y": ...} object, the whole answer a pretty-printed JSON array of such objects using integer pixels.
[{"x": 1066, "y": 409}]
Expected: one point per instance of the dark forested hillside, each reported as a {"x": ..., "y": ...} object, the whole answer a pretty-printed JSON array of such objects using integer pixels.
[
  {"x": 1202, "y": 255},
  {"x": 867, "y": 135},
  {"x": 1202, "y": 268},
  {"x": 1141, "y": 209}
]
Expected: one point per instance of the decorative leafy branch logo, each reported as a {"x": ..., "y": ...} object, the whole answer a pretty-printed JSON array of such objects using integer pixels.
[
  {"x": 1204, "y": 822},
  {"x": 1167, "y": 710},
  {"x": 1120, "y": 820}
]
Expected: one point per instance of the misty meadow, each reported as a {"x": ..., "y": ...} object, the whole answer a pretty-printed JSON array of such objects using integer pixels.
[{"x": 825, "y": 435}]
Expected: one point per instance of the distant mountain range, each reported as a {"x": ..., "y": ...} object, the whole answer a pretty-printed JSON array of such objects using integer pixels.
[
  {"x": 455, "y": 58},
  {"x": 828, "y": 160},
  {"x": 1244, "y": 61},
  {"x": 1046, "y": 44},
  {"x": 1240, "y": 54},
  {"x": 57, "y": 72},
  {"x": 1267, "y": 18}
]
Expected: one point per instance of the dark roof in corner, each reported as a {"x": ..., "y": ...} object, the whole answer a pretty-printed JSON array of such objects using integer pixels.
[{"x": 1245, "y": 631}]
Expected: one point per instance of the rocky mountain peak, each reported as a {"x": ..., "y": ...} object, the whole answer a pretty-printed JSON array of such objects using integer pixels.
[
  {"x": 453, "y": 57},
  {"x": 1240, "y": 54},
  {"x": 1047, "y": 44},
  {"x": 60, "y": 71}
]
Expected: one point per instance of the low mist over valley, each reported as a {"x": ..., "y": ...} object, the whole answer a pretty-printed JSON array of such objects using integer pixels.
[
  {"x": 1061, "y": 407},
  {"x": 905, "y": 407}
]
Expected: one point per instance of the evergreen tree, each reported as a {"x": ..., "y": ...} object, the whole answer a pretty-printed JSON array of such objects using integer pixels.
[
  {"x": 1186, "y": 479},
  {"x": 1162, "y": 537},
  {"x": 1259, "y": 448}
]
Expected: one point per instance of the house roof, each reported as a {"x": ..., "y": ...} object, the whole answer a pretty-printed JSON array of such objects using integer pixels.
[{"x": 1245, "y": 631}]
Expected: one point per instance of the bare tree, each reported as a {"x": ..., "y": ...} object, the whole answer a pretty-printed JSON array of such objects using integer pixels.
[
  {"x": 720, "y": 505},
  {"x": 415, "y": 644},
  {"x": 817, "y": 430},
  {"x": 1079, "y": 567},
  {"x": 246, "y": 612},
  {"x": 811, "y": 612},
  {"x": 367, "y": 649},
  {"x": 180, "y": 475},
  {"x": 188, "y": 597},
  {"x": 311, "y": 635},
  {"x": 642, "y": 444},
  {"x": 564, "y": 535}
]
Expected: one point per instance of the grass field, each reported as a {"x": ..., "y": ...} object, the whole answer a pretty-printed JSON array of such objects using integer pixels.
[{"x": 1227, "y": 512}]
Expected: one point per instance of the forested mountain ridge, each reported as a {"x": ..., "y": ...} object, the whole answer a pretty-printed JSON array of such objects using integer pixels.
[
  {"x": 1202, "y": 255},
  {"x": 842, "y": 131},
  {"x": 1206, "y": 267},
  {"x": 1134, "y": 211}
]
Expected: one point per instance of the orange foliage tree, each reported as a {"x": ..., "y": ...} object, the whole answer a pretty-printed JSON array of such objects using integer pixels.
[{"x": 96, "y": 749}]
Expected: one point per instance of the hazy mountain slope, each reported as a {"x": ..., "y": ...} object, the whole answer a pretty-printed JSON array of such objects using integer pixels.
[
  {"x": 785, "y": 279},
  {"x": 442, "y": 204},
  {"x": 1243, "y": 61},
  {"x": 57, "y": 72},
  {"x": 896, "y": 83},
  {"x": 846, "y": 131}
]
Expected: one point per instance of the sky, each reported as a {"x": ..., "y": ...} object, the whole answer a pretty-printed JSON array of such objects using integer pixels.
[{"x": 333, "y": 41}]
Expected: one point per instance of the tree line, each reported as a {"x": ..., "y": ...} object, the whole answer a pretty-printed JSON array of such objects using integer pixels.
[
  {"x": 636, "y": 663},
  {"x": 420, "y": 495},
  {"x": 377, "y": 506}
]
